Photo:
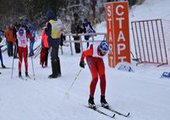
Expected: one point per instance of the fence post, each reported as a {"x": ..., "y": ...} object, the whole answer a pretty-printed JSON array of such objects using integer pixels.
[{"x": 71, "y": 48}]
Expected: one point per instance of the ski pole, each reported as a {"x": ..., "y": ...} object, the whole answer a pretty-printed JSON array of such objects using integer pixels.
[
  {"x": 13, "y": 61},
  {"x": 33, "y": 67},
  {"x": 12, "y": 68},
  {"x": 67, "y": 93},
  {"x": 37, "y": 52}
]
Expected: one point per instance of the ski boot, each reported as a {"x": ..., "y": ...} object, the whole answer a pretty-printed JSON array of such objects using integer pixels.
[
  {"x": 91, "y": 103},
  {"x": 20, "y": 74},
  {"x": 103, "y": 102},
  {"x": 26, "y": 74},
  {"x": 3, "y": 66},
  {"x": 54, "y": 70},
  {"x": 53, "y": 76}
]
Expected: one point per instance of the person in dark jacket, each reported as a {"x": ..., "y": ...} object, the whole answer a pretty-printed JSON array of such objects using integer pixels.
[
  {"x": 15, "y": 29},
  {"x": 76, "y": 28},
  {"x": 53, "y": 31}
]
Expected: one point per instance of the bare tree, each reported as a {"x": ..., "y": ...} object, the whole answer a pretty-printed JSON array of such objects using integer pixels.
[{"x": 93, "y": 4}]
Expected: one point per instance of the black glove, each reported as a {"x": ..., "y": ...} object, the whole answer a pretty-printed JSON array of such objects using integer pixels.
[{"x": 82, "y": 64}]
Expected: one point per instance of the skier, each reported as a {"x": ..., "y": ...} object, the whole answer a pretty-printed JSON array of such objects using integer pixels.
[
  {"x": 44, "y": 49},
  {"x": 94, "y": 57},
  {"x": 1, "y": 45},
  {"x": 22, "y": 36},
  {"x": 53, "y": 31},
  {"x": 32, "y": 32},
  {"x": 88, "y": 29}
]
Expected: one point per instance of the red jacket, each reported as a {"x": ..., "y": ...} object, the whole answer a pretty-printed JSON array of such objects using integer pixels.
[
  {"x": 88, "y": 52},
  {"x": 44, "y": 39},
  {"x": 9, "y": 35}
]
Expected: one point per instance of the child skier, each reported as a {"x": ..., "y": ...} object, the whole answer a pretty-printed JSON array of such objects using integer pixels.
[
  {"x": 22, "y": 36},
  {"x": 94, "y": 57},
  {"x": 44, "y": 49}
]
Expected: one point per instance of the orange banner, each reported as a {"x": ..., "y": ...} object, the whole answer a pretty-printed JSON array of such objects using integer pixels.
[
  {"x": 109, "y": 18},
  {"x": 118, "y": 32}
]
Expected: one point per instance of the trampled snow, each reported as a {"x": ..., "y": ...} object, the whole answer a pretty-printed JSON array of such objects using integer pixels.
[{"x": 143, "y": 92}]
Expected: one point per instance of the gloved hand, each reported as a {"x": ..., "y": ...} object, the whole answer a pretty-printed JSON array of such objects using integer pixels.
[{"x": 82, "y": 64}]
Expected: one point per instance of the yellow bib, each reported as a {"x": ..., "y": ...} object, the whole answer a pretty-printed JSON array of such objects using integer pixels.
[{"x": 56, "y": 28}]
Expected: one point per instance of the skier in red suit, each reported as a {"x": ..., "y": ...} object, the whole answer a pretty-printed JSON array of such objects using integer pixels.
[
  {"x": 22, "y": 36},
  {"x": 44, "y": 50},
  {"x": 94, "y": 57}
]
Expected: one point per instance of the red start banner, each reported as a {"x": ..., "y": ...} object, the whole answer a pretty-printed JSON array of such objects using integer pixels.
[{"x": 118, "y": 32}]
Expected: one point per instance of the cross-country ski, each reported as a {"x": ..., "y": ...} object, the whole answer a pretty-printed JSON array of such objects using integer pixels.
[
  {"x": 101, "y": 112},
  {"x": 117, "y": 112}
]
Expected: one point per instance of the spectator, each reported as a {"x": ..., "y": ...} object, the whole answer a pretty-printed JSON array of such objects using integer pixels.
[
  {"x": 15, "y": 29},
  {"x": 76, "y": 28},
  {"x": 10, "y": 40},
  {"x": 32, "y": 32},
  {"x": 53, "y": 31},
  {"x": 63, "y": 39},
  {"x": 44, "y": 49},
  {"x": 1, "y": 57},
  {"x": 87, "y": 29}
]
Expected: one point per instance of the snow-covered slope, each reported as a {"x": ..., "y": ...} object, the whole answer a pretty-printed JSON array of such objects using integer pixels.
[
  {"x": 142, "y": 92},
  {"x": 151, "y": 9}
]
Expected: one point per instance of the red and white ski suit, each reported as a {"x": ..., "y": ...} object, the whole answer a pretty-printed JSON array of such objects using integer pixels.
[
  {"x": 97, "y": 68},
  {"x": 23, "y": 49}
]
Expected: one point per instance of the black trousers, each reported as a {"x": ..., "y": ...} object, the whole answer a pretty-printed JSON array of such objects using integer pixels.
[{"x": 77, "y": 45}]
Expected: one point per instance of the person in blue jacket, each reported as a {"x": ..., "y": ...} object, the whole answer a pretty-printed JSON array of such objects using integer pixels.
[
  {"x": 32, "y": 32},
  {"x": 88, "y": 29}
]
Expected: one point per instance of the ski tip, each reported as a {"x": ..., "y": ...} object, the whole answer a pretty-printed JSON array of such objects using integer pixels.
[
  {"x": 113, "y": 115},
  {"x": 92, "y": 107},
  {"x": 128, "y": 114}
]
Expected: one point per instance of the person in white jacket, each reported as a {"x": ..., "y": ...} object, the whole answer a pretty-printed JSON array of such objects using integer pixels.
[{"x": 1, "y": 45}]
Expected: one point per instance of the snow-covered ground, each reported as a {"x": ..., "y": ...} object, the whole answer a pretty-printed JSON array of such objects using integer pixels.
[{"x": 142, "y": 92}]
